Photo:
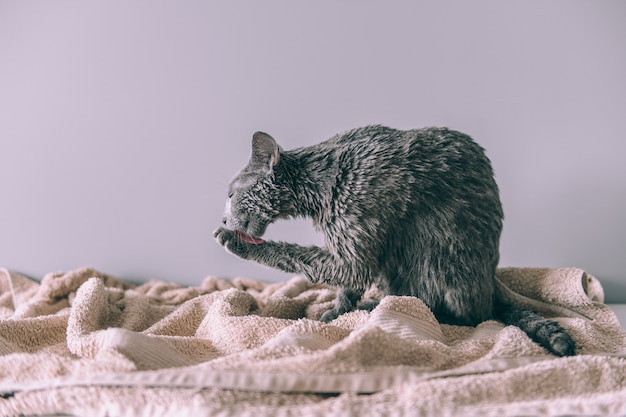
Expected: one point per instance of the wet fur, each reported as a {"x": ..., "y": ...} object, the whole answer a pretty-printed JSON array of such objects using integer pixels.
[{"x": 413, "y": 212}]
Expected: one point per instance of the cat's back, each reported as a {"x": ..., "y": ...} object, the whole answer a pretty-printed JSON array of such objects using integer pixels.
[
  {"x": 368, "y": 140},
  {"x": 435, "y": 170},
  {"x": 428, "y": 150}
]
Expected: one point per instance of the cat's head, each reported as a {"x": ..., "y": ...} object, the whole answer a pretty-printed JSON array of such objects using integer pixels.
[{"x": 253, "y": 195}]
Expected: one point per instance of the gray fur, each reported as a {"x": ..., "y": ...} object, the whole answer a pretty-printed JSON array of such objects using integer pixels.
[{"x": 413, "y": 212}]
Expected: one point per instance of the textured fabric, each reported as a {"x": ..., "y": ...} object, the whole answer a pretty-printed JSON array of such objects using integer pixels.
[{"x": 86, "y": 343}]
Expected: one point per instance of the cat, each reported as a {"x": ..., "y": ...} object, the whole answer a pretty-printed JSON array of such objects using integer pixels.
[{"x": 413, "y": 212}]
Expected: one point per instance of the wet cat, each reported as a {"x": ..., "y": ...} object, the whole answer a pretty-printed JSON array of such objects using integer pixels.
[{"x": 413, "y": 212}]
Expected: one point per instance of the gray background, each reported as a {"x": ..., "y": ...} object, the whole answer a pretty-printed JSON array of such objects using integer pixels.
[{"x": 121, "y": 123}]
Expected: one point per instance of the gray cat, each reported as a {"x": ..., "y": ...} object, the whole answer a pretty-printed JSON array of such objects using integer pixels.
[{"x": 413, "y": 212}]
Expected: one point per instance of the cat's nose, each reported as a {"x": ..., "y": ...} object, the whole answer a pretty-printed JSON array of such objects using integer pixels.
[{"x": 224, "y": 220}]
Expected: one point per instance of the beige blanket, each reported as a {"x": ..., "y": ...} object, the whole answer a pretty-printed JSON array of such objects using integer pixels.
[{"x": 85, "y": 343}]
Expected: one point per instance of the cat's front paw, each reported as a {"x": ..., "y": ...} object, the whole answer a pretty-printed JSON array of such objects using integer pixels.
[
  {"x": 223, "y": 235},
  {"x": 231, "y": 242}
]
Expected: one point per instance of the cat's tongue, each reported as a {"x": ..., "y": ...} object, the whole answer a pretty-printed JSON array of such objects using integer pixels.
[{"x": 247, "y": 238}]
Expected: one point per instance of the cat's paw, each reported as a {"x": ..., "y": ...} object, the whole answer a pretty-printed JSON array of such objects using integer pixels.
[
  {"x": 231, "y": 242},
  {"x": 223, "y": 235},
  {"x": 329, "y": 315},
  {"x": 368, "y": 305}
]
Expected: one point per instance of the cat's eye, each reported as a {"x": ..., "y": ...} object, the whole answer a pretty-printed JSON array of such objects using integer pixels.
[{"x": 230, "y": 194}]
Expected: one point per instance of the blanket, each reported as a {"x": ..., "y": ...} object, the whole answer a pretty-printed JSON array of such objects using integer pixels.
[{"x": 89, "y": 344}]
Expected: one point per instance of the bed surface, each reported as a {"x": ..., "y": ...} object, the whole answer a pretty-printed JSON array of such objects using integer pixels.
[
  {"x": 620, "y": 312},
  {"x": 86, "y": 343}
]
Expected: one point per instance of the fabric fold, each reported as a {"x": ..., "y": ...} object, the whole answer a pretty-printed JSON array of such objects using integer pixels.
[{"x": 92, "y": 341}]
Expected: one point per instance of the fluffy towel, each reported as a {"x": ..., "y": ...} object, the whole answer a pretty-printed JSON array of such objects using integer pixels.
[{"x": 86, "y": 343}]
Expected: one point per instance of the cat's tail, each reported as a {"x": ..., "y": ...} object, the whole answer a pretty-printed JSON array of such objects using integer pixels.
[{"x": 547, "y": 333}]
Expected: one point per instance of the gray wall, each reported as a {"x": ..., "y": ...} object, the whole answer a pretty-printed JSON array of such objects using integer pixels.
[{"x": 122, "y": 122}]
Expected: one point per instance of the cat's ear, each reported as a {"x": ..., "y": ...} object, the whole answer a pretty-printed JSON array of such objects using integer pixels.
[{"x": 265, "y": 151}]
